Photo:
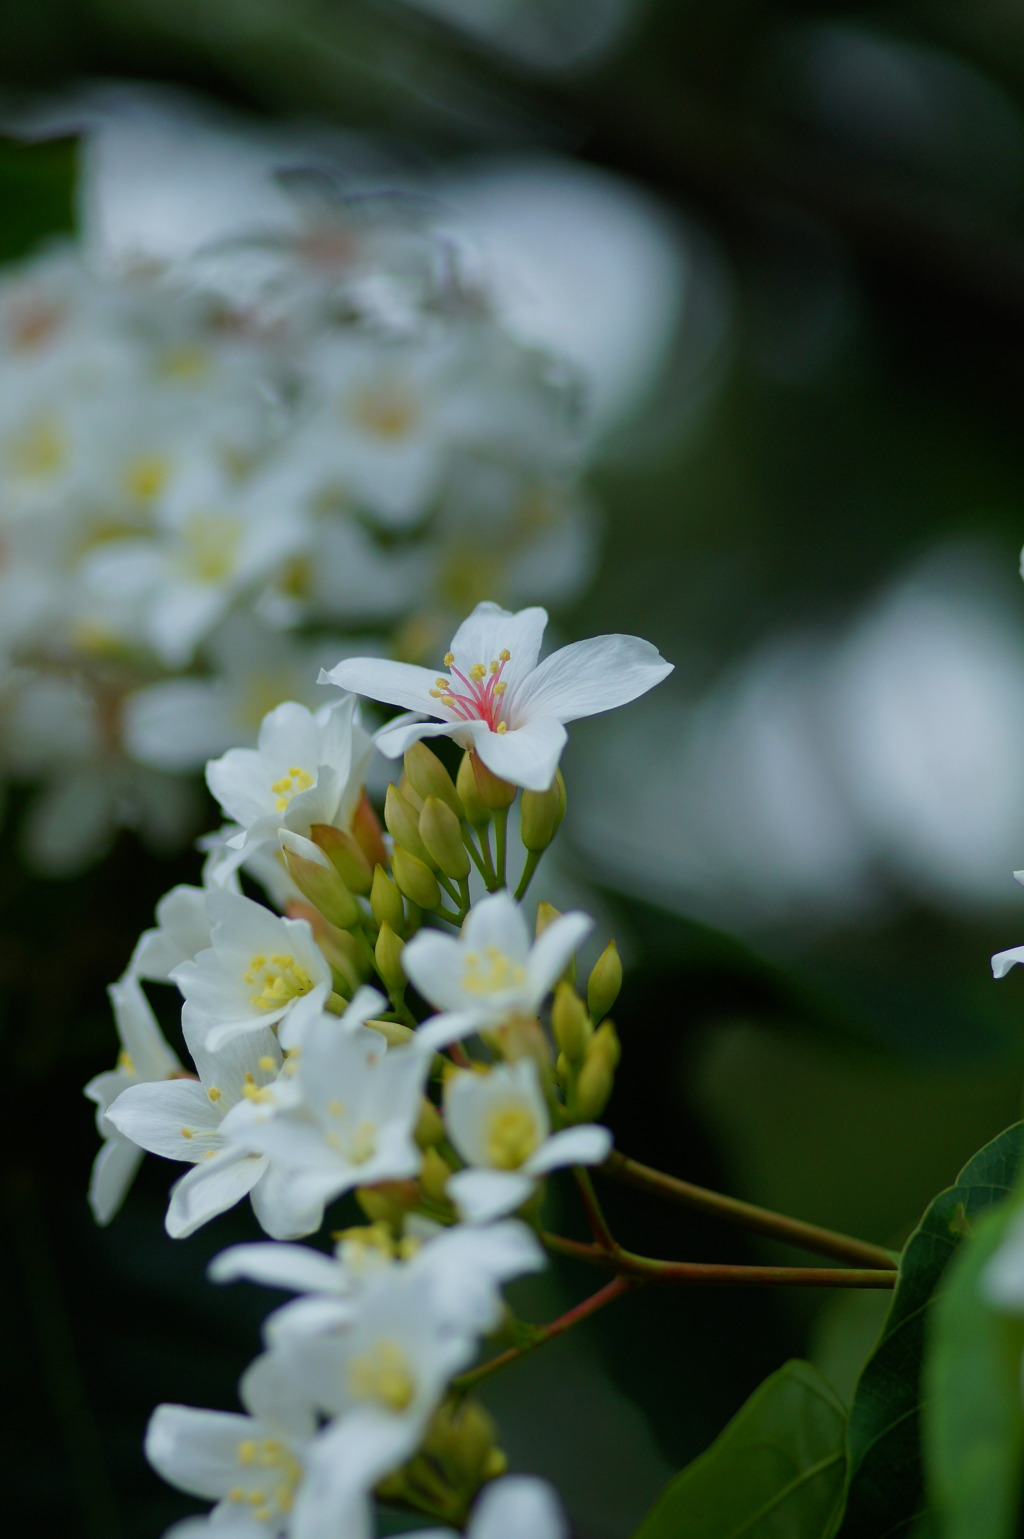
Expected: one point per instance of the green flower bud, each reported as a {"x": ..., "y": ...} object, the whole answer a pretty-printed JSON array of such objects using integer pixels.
[
  {"x": 547, "y": 913},
  {"x": 428, "y": 777},
  {"x": 387, "y": 1203},
  {"x": 403, "y": 823},
  {"x": 393, "y": 1032},
  {"x": 322, "y": 885},
  {"x": 461, "y": 1438},
  {"x": 345, "y": 855},
  {"x": 596, "y": 1077},
  {"x": 441, "y": 832},
  {"x": 367, "y": 834},
  {"x": 415, "y": 880},
  {"x": 429, "y": 1128},
  {"x": 570, "y": 1022},
  {"x": 476, "y": 814},
  {"x": 388, "y": 956},
  {"x": 541, "y": 814},
  {"x": 604, "y": 982},
  {"x": 434, "y": 1175},
  {"x": 495, "y": 793},
  {"x": 386, "y": 901}
]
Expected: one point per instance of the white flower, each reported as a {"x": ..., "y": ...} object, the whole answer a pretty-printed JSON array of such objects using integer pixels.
[
  {"x": 182, "y": 929},
  {"x": 490, "y": 974},
  {"x": 515, "y": 1507},
  {"x": 497, "y": 699},
  {"x": 252, "y": 1466},
  {"x": 182, "y": 1119},
  {"x": 306, "y": 769},
  {"x": 352, "y": 1115},
  {"x": 257, "y": 967},
  {"x": 500, "y": 1125},
  {"x": 144, "y": 1057}
]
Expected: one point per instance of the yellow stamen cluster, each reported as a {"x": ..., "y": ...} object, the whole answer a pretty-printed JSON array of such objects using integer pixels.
[
  {"x": 209, "y": 546},
  {"x": 512, "y": 1136},
  {"x": 499, "y": 973},
  {"x": 272, "y": 1458},
  {"x": 276, "y": 980},
  {"x": 384, "y": 1375},
  {"x": 297, "y": 779},
  {"x": 41, "y": 450}
]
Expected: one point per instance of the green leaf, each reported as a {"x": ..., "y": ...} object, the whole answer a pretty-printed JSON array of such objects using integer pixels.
[
  {"x": 37, "y": 193},
  {"x": 776, "y": 1472},
  {"x": 886, "y": 1490},
  {"x": 973, "y": 1418}
]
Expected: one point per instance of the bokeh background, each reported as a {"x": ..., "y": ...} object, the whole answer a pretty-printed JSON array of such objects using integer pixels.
[{"x": 784, "y": 245}]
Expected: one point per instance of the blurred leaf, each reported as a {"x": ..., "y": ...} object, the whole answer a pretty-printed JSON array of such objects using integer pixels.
[
  {"x": 973, "y": 1421},
  {"x": 37, "y": 193},
  {"x": 777, "y": 1470},
  {"x": 886, "y": 1494}
]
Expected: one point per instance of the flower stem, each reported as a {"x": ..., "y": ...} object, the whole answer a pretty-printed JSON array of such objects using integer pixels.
[
  {"x": 542, "y": 1333},
  {"x": 822, "y": 1242},
  {"x": 481, "y": 857},
  {"x": 648, "y": 1269},
  {"x": 595, "y": 1216},
  {"x": 533, "y": 859},
  {"x": 501, "y": 845}
]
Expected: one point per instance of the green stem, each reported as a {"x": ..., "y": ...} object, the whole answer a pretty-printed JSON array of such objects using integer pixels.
[
  {"x": 448, "y": 888},
  {"x": 480, "y": 861},
  {"x": 648, "y": 1269},
  {"x": 449, "y": 917},
  {"x": 501, "y": 845},
  {"x": 533, "y": 859},
  {"x": 603, "y": 1236},
  {"x": 793, "y": 1231},
  {"x": 491, "y": 879},
  {"x": 543, "y": 1333}
]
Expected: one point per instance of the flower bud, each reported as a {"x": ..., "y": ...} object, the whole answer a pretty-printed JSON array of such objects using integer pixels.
[
  {"x": 386, "y": 901},
  {"x": 389, "y": 1202},
  {"x": 393, "y": 1032},
  {"x": 547, "y": 913},
  {"x": 388, "y": 956},
  {"x": 541, "y": 814},
  {"x": 475, "y": 812},
  {"x": 434, "y": 1175},
  {"x": 604, "y": 982},
  {"x": 570, "y": 1022},
  {"x": 367, "y": 832},
  {"x": 345, "y": 855},
  {"x": 461, "y": 1438},
  {"x": 441, "y": 832},
  {"x": 495, "y": 793},
  {"x": 318, "y": 881},
  {"x": 428, "y": 777},
  {"x": 403, "y": 824},
  {"x": 596, "y": 1077},
  {"x": 415, "y": 880},
  {"x": 429, "y": 1128}
]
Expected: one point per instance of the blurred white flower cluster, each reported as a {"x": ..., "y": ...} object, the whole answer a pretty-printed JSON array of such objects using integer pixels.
[{"x": 213, "y": 469}]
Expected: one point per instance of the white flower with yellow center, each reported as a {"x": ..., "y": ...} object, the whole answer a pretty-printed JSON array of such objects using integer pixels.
[
  {"x": 257, "y": 967},
  {"x": 183, "y": 1119},
  {"x": 353, "y": 1112},
  {"x": 182, "y": 930},
  {"x": 497, "y": 699},
  {"x": 144, "y": 1057},
  {"x": 491, "y": 974},
  {"x": 305, "y": 769},
  {"x": 251, "y": 1465},
  {"x": 500, "y": 1124}
]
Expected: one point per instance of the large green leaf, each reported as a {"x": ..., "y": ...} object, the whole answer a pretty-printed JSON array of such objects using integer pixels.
[
  {"x": 776, "y": 1472},
  {"x": 886, "y": 1491},
  {"x": 973, "y": 1418}
]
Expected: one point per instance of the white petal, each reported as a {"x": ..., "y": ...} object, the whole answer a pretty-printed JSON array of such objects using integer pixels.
[
  {"x": 525, "y": 756},
  {"x": 591, "y": 676},
  {"x": 498, "y": 921},
  {"x": 398, "y": 736},
  {"x": 1004, "y": 960},
  {"x": 211, "y": 1188},
  {"x": 174, "y": 1118},
  {"x": 343, "y": 1464},
  {"x": 518, "y": 1507},
  {"x": 584, "y": 1145},
  {"x": 483, "y": 1195},
  {"x": 491, "y": 630},
  {"x": 197, "y": 1451},
  {"x": 553, "y": 950},
  {"x": 113, "y": 1171},
  {"x": 278, "y": 1266},
  {"x": 278, "y": 1212},
  {"x": 451, "y": 1026},
  {"x": 391, "y": 683},
  {"x": 433, "y": 963}
]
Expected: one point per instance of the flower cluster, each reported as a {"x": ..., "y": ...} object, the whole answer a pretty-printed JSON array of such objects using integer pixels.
[
  {"x": 212, "y": 472},
  {"x": 315, "y": 1074}
]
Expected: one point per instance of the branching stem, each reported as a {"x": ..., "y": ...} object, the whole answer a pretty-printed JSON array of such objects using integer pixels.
[
  {"x": 648, "y": 1269},
  {"x": 542, "y": 1333}
]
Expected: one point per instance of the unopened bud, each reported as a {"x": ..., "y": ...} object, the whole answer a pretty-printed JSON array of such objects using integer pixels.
[
  {"x": 496, "y": 1464},
  {"x": 389, "y": 1202},
  {"x": 366, "y": 831},
  {"x": 345, "y": 855},
  {"x": 604, "y": 982},
  {"x": 386, "y": 901},
  {"x": 415, "y": 880},
  {"x": 428, "y": 777},
  {"x": 477, "y": 815},
  {"x": 441, "y": 832},
  {"x": 547, "y": 913},
  {"x": 388, "y": 956},
  {"x": 318, "y": 881},
  {"x": 596, "y": 1077},
  {"x": 393, "y": 1032},
  {"x": 434, "y": 1175},
  {"x": 429, "y": 1128},
  {"x": 570, "y": 1022},
  {"x": 495, "y": 793},
  {"x": 541, "y": 814},
  {"x": 404, "y": 824}
]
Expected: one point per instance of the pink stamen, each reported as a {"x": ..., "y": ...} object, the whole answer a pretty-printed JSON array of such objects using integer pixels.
[{"x": 480, "y": 703}]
